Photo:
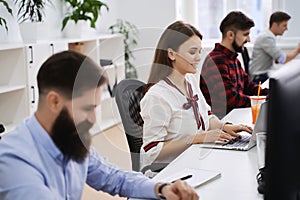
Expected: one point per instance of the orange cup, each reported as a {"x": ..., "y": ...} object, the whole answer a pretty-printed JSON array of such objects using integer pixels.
[{"x": 256, "y": 102}]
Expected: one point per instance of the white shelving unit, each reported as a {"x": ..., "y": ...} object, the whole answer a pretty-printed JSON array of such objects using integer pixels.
[
  {"x": 21, "y": 62},
  {"x": 109, "y": 47},
  {"x": 13, "y": 92},
  {"x": 36, "y": 54}
]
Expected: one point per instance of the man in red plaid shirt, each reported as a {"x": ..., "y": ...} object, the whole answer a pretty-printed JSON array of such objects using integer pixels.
[{"x": 223, "y": 81}]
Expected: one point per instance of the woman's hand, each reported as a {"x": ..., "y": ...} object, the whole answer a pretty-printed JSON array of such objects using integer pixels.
[
  {"x": 234, "y": 129},
  {"x": 212, "y": 136}
]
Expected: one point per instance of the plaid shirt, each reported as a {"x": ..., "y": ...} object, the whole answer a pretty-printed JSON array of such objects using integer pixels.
[{"x": 224, "y": 83}]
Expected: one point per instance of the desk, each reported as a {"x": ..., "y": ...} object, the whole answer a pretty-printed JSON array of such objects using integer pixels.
[{"x": 238, "y": 169}]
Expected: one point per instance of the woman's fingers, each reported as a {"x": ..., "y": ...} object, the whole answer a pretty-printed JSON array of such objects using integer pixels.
[
  {"x": 246, "y": 128},
  {"x": 226, "y": 138},
  {"x": 218, "y": 135},
  {"x": 234, "y": 134}
]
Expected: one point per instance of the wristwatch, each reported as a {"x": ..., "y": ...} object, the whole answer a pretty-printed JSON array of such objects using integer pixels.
[{"x": 160, "y": 188}]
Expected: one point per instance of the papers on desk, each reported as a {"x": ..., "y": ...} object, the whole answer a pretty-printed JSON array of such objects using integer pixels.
[{"x": 198, "y": 178}]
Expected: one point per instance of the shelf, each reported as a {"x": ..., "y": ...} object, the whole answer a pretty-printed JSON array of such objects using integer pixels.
[
  {"x": 109, "y": 123},
  {"x": 6, "y": 89},
  {"x": 85, "y": 39},
  {"x": 109, "y": 36},
  {"x": 9, "y": 46},
  {"x": 106, "y": 67},
  {"x": 113, "y": 66},
  {"x": 21, "y": 64},
  {"x": 95, "y": 129},
  {"x": 104, "y": 126}
]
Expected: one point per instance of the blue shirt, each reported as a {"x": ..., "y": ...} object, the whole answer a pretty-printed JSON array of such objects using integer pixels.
[{"x": 32, "y": 167}]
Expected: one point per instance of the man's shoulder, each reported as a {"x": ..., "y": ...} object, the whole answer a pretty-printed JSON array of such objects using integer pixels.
[
  {"x": 213, "y": 55},
  {"x": 215, "y": 52},
  {"x": 215, "y": 58},
  {"x": 17, "y": 142},
  {"x": 264, "y": 37}
]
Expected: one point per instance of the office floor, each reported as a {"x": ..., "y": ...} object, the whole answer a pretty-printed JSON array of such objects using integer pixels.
[{"x": 113, "y": 145}]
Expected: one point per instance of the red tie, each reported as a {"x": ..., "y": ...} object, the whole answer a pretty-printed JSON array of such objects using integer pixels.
[{"x": 192, "y": 102}]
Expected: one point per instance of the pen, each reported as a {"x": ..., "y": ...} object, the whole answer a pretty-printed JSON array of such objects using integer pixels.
[{"x": 183, "y": 178}]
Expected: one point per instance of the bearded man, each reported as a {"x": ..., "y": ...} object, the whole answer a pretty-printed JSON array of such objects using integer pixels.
[
  {"x": 223, "y": 82},
  {"x": 49, "y": 155}
]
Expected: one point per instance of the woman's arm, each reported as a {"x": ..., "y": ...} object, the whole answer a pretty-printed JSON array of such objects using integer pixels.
[{"x": 174, "y": 148}]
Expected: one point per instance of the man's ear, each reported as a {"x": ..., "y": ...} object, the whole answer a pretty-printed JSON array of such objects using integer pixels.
[
  {"x": 230, "y": 35},
  {"x": 171, "y": 54},
  {"x": 54, "y": 101}
]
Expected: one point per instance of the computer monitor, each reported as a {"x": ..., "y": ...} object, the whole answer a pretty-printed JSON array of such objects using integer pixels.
[{"x": 283, "y": 135}]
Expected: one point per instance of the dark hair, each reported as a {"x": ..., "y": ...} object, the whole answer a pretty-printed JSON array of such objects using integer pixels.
[
  {"x": 235, "y": 21},
  {"x": 175, "y": 34},
  {"x": 69, "y": 73},
  {"x": 278, "y": 17}
]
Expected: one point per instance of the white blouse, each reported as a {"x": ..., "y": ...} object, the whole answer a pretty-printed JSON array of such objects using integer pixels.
[{"x": 165, "y": 118}]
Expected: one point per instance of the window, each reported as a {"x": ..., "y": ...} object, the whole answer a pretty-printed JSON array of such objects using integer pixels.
[
  {"x": 207, "y": 14},
  {"x": 292, "y": 8},
  {"x": 211, "y": 12}
]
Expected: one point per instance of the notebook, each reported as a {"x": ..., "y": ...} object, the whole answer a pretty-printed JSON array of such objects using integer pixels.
[
  {"x": 248, "y": 140},
  {"x": 196, "y": 177}
]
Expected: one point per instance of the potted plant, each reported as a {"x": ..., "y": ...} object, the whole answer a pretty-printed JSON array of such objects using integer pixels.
[
  {"x": 9, "y": 10},
  {"x": 83, "y": 10},
  {"x": 31, "y": 10},
  {"x": 130, "y": 33},
  {"x": 30, "y": 17}
]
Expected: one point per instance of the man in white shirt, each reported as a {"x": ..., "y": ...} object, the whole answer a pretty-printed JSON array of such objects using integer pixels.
[{"x": 265, "y": 50}]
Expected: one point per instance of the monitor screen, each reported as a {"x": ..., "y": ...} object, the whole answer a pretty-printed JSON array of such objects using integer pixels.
[{"x": 283, "y": 134}]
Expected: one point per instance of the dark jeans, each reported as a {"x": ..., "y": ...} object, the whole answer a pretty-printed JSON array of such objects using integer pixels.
[{"x": 260, "y": 78}]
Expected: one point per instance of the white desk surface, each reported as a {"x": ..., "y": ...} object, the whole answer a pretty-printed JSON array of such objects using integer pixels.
[{"x": 238, "y": 168}]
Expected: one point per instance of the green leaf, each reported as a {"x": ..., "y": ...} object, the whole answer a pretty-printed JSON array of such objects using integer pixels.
[
  {"x": 64, "y": 22},
  {"x": 9, "y": 10},
  {"x": 129, "y": 31},
  {"x": 88, "y": 10},
  {"x": 3, "y": 23},
  {"x": 31, "y": 10}
]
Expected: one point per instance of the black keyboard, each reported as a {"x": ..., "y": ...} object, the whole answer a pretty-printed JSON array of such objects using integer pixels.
[{"x": 240, "y": 142}]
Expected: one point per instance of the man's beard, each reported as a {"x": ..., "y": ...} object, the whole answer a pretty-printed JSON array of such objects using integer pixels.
[
  {"x": 73, "y": 141},
  {"x": 236, "y": 47}
]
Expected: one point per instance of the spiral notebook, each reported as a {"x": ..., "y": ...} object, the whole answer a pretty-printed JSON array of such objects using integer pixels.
[{"x": 197, "y": 177}]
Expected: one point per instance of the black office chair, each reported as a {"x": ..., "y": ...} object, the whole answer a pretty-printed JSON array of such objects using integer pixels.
[
  {"x": 128, "y": 94},
  {"x": 246, "y": 59}
]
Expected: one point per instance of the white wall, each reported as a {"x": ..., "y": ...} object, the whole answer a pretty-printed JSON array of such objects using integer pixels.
[
  {"x": 151, "y": 17},
  {"x": 143, "y": 13},
  {"x": 13, "y": 34},
  {"x": 292, "y": 7}
]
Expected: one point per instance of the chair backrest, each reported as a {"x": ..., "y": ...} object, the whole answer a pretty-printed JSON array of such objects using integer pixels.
[
  {"x": 246, "y": 59},
  {"x": 128, "y": 94}
]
